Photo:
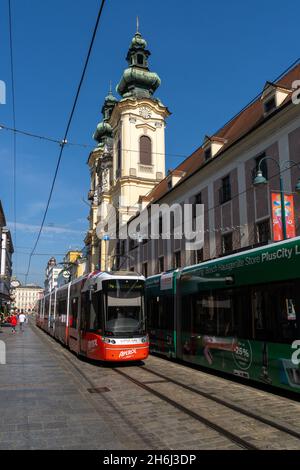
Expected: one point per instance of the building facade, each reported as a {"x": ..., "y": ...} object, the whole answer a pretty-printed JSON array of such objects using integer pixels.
[
  {"x": 129, "y": 160},
  {"x": 6, "y": 252},
  {"x": 74, "y": 266},
  {"x": 52, "y": 273},
  {"x": 220, "y": 175},
  {"x": 25, "y": 297},
  {"x": 128, "y": 173}
]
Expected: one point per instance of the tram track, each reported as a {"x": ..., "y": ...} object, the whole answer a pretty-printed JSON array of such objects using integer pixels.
[
  {"x": 241, "y": 442},
  {"x": 220, "y": 401},
  {"x": 224, "y": 432}
]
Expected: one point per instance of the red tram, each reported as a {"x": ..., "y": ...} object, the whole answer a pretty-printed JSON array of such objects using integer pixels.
[{"x": 100, "y": 316}]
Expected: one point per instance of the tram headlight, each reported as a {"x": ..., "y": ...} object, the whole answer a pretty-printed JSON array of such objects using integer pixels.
[
  {"x": 145, "y": 339},
  {"x": 109, "y": 341}
]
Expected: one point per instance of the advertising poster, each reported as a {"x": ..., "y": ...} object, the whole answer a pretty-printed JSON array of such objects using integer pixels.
[{"x": 289, "y": 216}]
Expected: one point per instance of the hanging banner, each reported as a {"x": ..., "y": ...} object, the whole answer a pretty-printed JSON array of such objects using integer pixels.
[{"x": 289, "y": 216}]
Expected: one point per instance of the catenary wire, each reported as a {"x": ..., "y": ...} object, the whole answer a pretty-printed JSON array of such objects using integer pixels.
[
  {"x": 57, "y": 141},
  {"x": 66, "y": 134}
]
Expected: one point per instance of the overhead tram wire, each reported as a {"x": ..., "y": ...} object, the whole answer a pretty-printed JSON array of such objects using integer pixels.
[
  {"x": 64, "y": 141},
  {"x": 56, "y": 141},
  {"x": 14, "y": 124}
]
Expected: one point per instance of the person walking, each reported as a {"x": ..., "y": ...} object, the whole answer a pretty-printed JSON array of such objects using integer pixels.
[
  {"x": 1, "y": 320},
  {"x": 13, "y": 322},
  {"x": 22, "y": 319}
]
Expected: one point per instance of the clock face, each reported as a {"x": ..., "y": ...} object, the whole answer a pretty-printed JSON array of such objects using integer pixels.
[
  {"x": 15, "y": 284},
  {"x": 145, "y": 112}
]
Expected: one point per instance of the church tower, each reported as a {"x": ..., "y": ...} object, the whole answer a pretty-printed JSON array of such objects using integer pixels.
[{"x": 131, "y": 142}]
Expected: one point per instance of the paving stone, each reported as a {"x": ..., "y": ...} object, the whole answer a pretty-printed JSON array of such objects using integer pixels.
[{"x": 44, "y": 404}]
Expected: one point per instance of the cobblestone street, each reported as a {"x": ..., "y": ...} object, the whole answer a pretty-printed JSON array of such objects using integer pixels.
[{"x": 46, "y": 403}]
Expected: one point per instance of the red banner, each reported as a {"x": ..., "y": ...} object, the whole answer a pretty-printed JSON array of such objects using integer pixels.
[{"x": 289, "y": 216}]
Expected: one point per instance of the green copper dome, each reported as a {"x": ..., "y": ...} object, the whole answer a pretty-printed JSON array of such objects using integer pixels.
[
  {"x": 110, "y": 99},
  {"x": 137, "y": 81},
  {"x": 103, "y": 133},
  {"x": 103, "y": 130},
  {"x": 138, "y": 41}
]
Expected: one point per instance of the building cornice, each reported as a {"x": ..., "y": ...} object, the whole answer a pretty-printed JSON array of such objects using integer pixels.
[{"x": 129, "y": 105}]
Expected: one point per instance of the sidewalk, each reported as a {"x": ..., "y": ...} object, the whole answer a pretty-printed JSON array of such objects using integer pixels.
[{"x": 41, "y": 405}]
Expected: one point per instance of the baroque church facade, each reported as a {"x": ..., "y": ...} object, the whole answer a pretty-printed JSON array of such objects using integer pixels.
[{"x": 129, "y": 159}]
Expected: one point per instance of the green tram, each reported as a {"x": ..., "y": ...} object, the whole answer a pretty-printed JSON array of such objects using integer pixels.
[{"x": 238, "y": 314}]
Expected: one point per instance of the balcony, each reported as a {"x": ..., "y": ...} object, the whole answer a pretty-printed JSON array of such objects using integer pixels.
[{"x": 145, "y": 168}]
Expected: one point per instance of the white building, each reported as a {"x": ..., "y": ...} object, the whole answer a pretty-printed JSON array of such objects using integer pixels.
[
  {"x": 52, "y": 273},
  {"x": 25, "y": 297},
  {"x": 6, "y": 252}
]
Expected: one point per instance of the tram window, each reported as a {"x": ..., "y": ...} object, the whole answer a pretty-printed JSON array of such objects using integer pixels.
[
  {"x": 274, "y": 310},
  {"x": 62, "y": 309},
  {"x": 85, "y": 305},
  {"x": 74, "y": 312},
  {"x": 161, "y": 312},
  {"x": 47, "y": 308},
  {"x": 262, "y": 315},
  {"x": 213, "y": 314},
  {"x": 220, "y": 313},
  {"x": 96, "y": 312},
  {"x": 152, "y": 311},
  {"x": 166, "y": 313}
]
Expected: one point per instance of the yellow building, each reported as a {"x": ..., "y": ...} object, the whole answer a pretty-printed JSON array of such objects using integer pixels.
[
  {"x": 73, "y": 258},
  {"x": 129, "y": 160}
]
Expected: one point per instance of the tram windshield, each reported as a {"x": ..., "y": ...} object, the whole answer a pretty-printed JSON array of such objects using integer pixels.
[{"x": 124, "y": 306}]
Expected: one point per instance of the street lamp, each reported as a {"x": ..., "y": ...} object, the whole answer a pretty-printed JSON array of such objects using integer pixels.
[{"x": 260, "y": 180}]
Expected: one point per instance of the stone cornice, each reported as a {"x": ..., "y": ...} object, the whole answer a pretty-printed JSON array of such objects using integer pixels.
[{"x": 130, "y": 105}]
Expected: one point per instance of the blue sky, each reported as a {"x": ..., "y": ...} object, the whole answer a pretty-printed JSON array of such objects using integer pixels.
[{"x": 213, "y": 57}]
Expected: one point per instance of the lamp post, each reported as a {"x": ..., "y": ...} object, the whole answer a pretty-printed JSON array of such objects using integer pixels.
[{"x": 260, "y": 180}]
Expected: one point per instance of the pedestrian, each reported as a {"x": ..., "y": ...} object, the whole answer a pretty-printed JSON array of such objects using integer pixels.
[
  {"x": 22, "y": 319},
  {"x": 1, "y": 320},
  {"x": 13, "y": 322}
]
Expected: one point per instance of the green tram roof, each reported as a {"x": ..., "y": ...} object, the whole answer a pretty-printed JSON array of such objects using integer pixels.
[{"x": 268, "y": 263}]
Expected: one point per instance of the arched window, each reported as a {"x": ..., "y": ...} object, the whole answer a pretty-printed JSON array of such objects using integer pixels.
[{"x": 145, "y": 150}]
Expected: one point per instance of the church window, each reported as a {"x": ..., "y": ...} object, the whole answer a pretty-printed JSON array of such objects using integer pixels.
[
  {"x": 140, "y": 59},
  {"x": 145, "y": 150}
]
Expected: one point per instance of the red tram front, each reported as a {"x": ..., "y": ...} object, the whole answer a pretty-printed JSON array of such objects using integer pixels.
[{"x": 100, "y": 316}]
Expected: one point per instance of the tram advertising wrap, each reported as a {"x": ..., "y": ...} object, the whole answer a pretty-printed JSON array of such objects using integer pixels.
[{"x": 238, "y": 314}]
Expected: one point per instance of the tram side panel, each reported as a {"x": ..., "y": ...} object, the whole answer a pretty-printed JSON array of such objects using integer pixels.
[
  {"x": 73, "y": 318},
  {"x": 250, "y": 328}
]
